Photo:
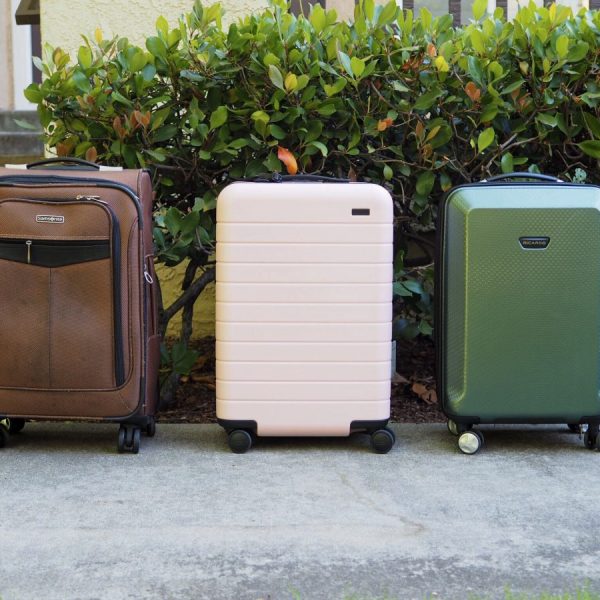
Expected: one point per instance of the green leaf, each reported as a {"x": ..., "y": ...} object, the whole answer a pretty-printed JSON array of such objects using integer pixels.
[
  {"x": 270, "y": 59},
  {"x": 425, "y": 101},
  {"x": 318, "y": 18},
  {"x": 592, "y": 123},
  {"x": 218, "y": 117},
  {"x": 322, "y": 147},
  {"x": 33, "y": 94},
  {"x": 276, "y": 77},
  {"x": 387, "y": 172},
  {"x": 486, "y": 137},
  {"x": 338, "y": 86},
  {"x": 26, "y": 125},
  {"x": 118, "y": 97},
  {"x": 84, "y": 57},
  {"x": 276, "y": 131},
  {"x": 479, "y": 8},
  {"x": 156, "y": 46},
  {"x": 425, "y": 183},
  {"x": 591, "y": 148},
  {"x": 345, "y": 62},
  {"x": 357, "y": 66},
  {"x": 507, "y": 163},
  {"x": 387, "y": 14},
  {"x": 183, "y": 359},
  {"x": 562, "y": 46},
  {"x": 546, "y": 119},
  {"x": 478, "y": 42},
  {"x": 165, "y": 133}
]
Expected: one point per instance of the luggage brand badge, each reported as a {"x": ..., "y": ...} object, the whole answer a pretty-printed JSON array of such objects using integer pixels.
[
  {"x": 534, "y": 242},
  {"x": 50, "y": 219}
]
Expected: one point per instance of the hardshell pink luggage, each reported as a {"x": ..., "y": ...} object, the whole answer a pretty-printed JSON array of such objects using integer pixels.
[{"x": 304, "y": 310}]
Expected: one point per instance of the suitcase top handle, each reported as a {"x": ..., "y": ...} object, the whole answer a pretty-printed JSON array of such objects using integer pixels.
[
  {"x": 523, "y": 175},
  {"x": 77, "y": 162},
  {"x": 279, "y": 178}
]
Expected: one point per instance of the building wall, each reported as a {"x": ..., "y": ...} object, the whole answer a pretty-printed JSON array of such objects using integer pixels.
[{"x": 134, "y": 19}]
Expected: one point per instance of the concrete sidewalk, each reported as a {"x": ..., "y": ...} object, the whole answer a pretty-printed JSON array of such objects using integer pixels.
[{"x": 308, "y": 519}]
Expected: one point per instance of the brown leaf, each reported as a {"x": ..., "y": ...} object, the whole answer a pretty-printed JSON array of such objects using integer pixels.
[
  {"x": 118, "y": 127},
  {"x": 288, "y": 159},
  {"x": 352, "y": 176},
  {"x": 91, "y": 154},
  {"x": 431, "y": 50},
  {"x": 428, "y": 395},
  {"x": 420, "y": 130},
  {"x": 473, "y": 91},
  {"x": 383, "y": 124},
  {"x": 63, "y": 149}
]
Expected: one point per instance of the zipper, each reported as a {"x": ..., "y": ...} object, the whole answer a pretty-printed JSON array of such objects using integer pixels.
[{"x": 28, "y": 244}]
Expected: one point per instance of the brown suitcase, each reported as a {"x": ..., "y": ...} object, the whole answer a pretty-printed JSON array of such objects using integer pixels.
[{"x": 78, "y": 304}]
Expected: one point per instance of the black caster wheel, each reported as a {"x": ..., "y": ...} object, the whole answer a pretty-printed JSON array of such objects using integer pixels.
[
  {"x": 574, "y": 427},
  {"x": 382, "y": 440},
  {"x": 4, "y": 435},
  {"x": 240, "y": 441},
  {"x": 135, "y": 442},
  {"x": 129, "y": 439},
  {"x": 470, "y": 442},
  {"x": 150, "y": 429},
  {"x": 590, "y": 439},
  {"x": 16, "y": 425}
]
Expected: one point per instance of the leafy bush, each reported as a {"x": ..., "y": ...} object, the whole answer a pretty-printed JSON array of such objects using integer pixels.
[{"x": 411, "y": 103}]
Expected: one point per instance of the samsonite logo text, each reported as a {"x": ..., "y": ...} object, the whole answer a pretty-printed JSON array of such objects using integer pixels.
[
  {"x": 534, "y": 243},
  {"x": 50, "y": 219}
]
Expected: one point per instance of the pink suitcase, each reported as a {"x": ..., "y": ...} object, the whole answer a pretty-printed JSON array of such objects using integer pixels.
[{"x": 304, "y": 310}]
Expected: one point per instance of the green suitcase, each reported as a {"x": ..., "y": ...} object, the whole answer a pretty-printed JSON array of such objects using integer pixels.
[{"x": 518, "y": 305}]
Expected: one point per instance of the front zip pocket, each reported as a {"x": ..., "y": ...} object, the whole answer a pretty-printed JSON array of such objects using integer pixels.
[
  {"x": 60, "y": 299},
  {"x": 53, "y": 253}
]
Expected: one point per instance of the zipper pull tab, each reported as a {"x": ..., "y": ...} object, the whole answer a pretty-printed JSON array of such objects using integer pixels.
[
  {"x": 148, "y": 277},
  {"x": 28, "y": 243}
]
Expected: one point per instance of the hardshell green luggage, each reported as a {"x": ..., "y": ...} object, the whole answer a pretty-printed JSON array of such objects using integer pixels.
[{"x": 518, "y": 305}]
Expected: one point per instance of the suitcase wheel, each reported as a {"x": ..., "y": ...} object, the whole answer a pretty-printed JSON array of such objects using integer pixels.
[
  {"x": 591, "y": 439},
  {"x": 470, "y": 442},
  {"x": 150, "y": 429},
  {"x": 129, "y": 439},
  {"x": 4, "y": 433},
  {"x": 16, "y": 425},
  {"x": 383, "y": 440},
  {"x": 240, "y": 441}
]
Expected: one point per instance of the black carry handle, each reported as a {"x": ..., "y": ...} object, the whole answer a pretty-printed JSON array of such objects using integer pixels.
[
  {"x": 77, "y": 162},
  {"x": 279, "y": 178},
  {"x": 524, "y": 175}
]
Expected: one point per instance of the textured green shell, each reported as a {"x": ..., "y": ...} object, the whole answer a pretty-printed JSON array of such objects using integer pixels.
[{"x": 521, "y": 326}]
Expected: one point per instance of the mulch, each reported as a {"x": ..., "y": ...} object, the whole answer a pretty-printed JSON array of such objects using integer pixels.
[{"x": 413, "y": 388}]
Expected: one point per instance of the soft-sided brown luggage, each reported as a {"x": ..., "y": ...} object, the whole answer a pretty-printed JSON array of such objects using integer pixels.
[{"x": 78, "y": 305}]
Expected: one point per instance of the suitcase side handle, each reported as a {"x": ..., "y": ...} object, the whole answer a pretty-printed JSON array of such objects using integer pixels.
[
  {"x": 78, "y": 162},
  {"x": 523, "y": 175}
]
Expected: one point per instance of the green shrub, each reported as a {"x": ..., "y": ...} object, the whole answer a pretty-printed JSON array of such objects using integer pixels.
[{"x": 411, "y": 103}]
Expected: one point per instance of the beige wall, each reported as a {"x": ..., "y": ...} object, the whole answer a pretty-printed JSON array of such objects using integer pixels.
[
  {"x": 6, "y": 88},
  {"x": 63, "y": 21}
]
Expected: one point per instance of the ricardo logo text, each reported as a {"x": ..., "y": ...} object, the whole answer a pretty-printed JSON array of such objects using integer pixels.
[
  {"x": 534, "y": 243},
  {"x": 50, "y": 219}
]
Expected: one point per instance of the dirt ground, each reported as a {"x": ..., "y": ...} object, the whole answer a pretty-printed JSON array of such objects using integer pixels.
[{"x": 413, "y": 388}]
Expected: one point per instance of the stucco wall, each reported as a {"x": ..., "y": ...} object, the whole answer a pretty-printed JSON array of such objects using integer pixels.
[{"x": 63, "y": 22}]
